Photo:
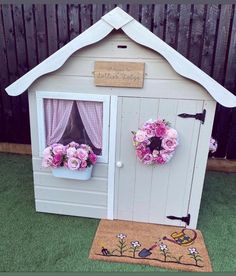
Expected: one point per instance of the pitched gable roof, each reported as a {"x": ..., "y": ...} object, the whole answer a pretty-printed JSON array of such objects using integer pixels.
[{"x": 118, "y": 19}]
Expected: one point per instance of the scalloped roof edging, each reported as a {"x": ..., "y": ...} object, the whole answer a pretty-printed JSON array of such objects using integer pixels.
[{"x": 119, "y": 19}]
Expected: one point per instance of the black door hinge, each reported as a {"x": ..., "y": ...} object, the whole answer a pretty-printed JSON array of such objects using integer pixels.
[
  {"x": 184, "y": 219},
  {"x": 197, "y": 116}
]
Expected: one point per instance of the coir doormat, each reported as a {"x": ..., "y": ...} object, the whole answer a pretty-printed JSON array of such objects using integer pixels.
[{"x": 150, "y": 244}]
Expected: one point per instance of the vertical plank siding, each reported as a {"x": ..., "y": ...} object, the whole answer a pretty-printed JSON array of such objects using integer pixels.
[{"x": 206, "y": 34}]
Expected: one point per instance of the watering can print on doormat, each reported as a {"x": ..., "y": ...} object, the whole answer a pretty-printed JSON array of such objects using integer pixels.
[{"x": 181, "y": 238}]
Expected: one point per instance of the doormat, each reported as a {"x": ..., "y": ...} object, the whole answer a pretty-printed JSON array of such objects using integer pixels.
[{"x": 163, "y": 246}]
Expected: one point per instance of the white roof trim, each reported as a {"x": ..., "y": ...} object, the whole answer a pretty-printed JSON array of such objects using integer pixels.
[
  {"x": 117, "y": 19},
  {"x": 92, "y": 35},
  {"x": 179, "y": 63}
]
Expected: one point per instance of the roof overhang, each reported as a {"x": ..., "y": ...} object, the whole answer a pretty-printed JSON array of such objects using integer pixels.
[{"x": 118, "y": 19}]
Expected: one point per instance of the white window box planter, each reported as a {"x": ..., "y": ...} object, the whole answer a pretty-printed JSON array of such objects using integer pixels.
[{"x": 82, "y": 174}]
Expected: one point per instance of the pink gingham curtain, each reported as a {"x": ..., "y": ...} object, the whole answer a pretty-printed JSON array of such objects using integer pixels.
[
  {"x": 91, "y": 116},
  {"x": 57, "y": 115}
]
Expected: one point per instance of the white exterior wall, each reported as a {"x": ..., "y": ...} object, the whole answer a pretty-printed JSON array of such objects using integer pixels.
[{"x": 89, "y": 198}]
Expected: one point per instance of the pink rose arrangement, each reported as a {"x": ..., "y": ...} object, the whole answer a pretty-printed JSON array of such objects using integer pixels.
[
  {"x": 155, "y": 142},
  {"x": 73, "y": 156},
  {"x": 213, "y": 145}
]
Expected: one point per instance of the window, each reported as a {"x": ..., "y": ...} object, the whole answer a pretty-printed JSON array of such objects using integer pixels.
[{"x": 67, "y": 117}]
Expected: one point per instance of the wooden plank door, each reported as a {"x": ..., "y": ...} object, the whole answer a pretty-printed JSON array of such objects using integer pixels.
[{"x": 150, "y": 193}]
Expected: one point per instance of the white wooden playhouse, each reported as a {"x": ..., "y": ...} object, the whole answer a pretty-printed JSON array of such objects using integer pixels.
[{"x": 162, "y": 84}]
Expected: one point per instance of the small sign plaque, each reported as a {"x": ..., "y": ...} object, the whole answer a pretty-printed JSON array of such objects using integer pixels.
[{"x": 119, "y": 74}]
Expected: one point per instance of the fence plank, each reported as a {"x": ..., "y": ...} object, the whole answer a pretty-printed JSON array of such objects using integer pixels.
[
  {"x": 32, "y": 57},
  {"x": 222, "y": 43},
  {"x": 222, "y": 118},
  {"x": 184, "y": 29},
  {"x": 108, "y": 7},
  {"x": 14, "y": 118},
  {"x": 74, "y": 24},
  {"x": 30, "y": 35},
  {"x": 124, "y": 7},
  {"x": 231, "y": 60},
  {"x": 51, "y": 20},
  {"x": 85, "y": 17},
  {"x": 196, "y": 40},
  {"x": 209, "y": 39},
  {"x": 159, "y": 21},
  {"x": 230, "y": 83},
  {"x": 97, "y": 12},
  {"x": 41, "y": 36},
  {"x": 5, "y": 106},
  {"x": 62, "y": 21},
  {"x": 172, "y": 17},
  {"x": 134, "y": 11},
  {"x": 22, "y": 69},
  {"x": 146, "y": 16},
  {"x": 231, "y": 142}
]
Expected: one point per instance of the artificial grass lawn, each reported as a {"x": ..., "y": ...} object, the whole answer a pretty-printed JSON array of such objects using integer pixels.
[{"x": 31, "y": 241}]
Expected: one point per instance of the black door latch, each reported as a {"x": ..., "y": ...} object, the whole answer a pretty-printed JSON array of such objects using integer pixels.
[
  {"x": 184, "y": 219},
  {"x": 197, "y": 116}
]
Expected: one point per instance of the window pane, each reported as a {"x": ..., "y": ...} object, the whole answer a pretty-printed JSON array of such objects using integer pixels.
[{"x": 82, "y": 124}]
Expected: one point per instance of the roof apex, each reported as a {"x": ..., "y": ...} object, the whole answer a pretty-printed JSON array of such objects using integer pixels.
[{"x": 117, "y": 18}]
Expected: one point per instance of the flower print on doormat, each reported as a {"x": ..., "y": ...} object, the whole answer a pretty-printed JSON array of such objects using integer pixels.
[{"x": 163, "y": 246}]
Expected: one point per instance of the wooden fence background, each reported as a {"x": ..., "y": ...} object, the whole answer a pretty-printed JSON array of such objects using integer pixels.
[{"x": 205, "y": 34}]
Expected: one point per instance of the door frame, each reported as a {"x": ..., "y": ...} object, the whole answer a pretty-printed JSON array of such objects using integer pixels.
[
  {"x": 199, "y": 167},
  {"x": 112, "y": 157},
  {"x": 200, "y": 163}
]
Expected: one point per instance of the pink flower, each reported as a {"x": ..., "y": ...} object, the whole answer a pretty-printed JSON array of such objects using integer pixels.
[
  {"x": 213, "y": 145},
  {"x": 85, "y": 147},
  {"x": 83, "y": 164},
  {"x": 166, "y": 157},
  {"x": 73, "y": 163},
  {"x": 160, "y": 130},
  {"x": 47, "y": 151},
  {"x": 71, "y": 152},
  {"x": 140, "y": 136},
  {"x": 47, "y": 161},
  {"x": 57, "y": 159},
  {"x": 58, "y": 149},
  {"x": 141, "y": 146},
  {"x": 169, "y": 144},
  {"x": 73, "y": 144},
  {"x": 171, "y": 133},
  {"x": 155, "y": 153},
  {"x": 159, "y": 160},
  {"x": 93, "y": 158},
  {"x": 147, "y": 159},
  {"x": 150, "y": 132},
  {"x": 82, "y": 154},
  {"x": 140, "y": 154}
]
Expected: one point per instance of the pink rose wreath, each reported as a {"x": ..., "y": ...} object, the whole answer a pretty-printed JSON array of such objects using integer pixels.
[{"x": 155, "y": 142}]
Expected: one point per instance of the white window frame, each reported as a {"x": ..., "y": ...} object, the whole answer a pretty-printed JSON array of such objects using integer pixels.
[{"x": 105, "y": 99}]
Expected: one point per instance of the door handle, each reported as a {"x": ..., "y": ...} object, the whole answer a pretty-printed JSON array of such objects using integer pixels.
[{"x": 119, "y": 164}]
